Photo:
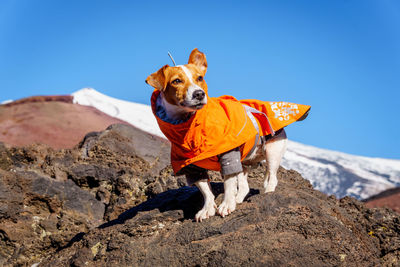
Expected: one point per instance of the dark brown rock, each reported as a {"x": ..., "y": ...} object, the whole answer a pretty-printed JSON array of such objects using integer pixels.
[
  {"x": 48, "y": 197},
  {"x": 294, "y": 226},
  {"x": 127, "y": 141},
  {"x": 39, "y": 214},
  {"x": 112, "y": 201}
]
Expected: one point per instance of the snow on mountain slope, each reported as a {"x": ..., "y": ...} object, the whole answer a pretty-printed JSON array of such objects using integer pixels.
[
  {"x": 6, "y": 102},
  {"x": 342, "y": 174},
  {"x": 136, "y": 114},
  {"x": 329, "y": 171}
]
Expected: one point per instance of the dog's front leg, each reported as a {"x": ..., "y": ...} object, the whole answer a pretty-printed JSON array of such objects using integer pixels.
[
  {"x": 208, "y": 209},
  {"x": 228, "y": 205}
]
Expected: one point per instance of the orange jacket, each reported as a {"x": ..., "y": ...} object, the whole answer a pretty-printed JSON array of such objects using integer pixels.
[{"x": 223, "y": 125}]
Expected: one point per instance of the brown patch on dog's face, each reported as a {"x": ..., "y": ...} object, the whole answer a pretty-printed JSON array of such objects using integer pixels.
[{"x": 177, "y": 84}]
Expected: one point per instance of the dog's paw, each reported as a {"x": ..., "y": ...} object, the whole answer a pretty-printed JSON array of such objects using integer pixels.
[
  {"x": 206, "y": 212},
  {"x": 242, "y": 193},
  {"x": 241, "y": 196},
  {"x": 269, "y": 187},
  {"x": 270, "y": 183},
  {"x": 227, "y": 207}
]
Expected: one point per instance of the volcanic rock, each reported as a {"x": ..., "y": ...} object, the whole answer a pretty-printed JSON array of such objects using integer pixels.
[
  {"x": 112, "y": 201},
  {"x": 48, "y": 197},
  {"x": 294, "y": 226}
]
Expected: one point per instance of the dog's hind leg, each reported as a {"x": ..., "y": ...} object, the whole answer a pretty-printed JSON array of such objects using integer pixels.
[
  {"x": 274, "y": 150},
  {"x": 208, "y": 209},
  {"x": 228, "y": 205},
  {"x": 243, "y": 186}
]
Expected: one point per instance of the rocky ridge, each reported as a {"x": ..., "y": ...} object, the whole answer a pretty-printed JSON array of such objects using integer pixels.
[
  {"x": 48, "y": 197},
  {"x": 112, "y": 201}
]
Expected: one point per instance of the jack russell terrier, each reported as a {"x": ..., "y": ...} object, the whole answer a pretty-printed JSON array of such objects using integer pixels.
[{"x": 221, "y": 134}]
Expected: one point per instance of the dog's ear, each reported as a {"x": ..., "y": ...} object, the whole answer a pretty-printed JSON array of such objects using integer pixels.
[
  {"x": 199, "y": 59},
  {"x": 157, "y": 79}
]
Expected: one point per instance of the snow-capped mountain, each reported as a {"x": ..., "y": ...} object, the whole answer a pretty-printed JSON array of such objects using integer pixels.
[
  {"x": 342, "y": 174},
  {"x": 329, "y": 171}
]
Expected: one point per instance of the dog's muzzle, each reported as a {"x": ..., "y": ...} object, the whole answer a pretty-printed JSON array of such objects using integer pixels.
[{"x": 195, "y": 99}]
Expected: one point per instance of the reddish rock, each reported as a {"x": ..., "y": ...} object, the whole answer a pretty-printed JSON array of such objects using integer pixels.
[
  {"x": 59, "y": 124},
  {"x": 387, "y": 199},
  {"x": 42, "y": 98}
]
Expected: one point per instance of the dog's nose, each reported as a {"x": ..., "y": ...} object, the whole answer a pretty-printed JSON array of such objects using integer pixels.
[{"x": 199, "y": 94}]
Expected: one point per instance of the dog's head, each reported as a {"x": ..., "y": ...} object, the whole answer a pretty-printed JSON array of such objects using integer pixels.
[{"x": 183, "y": 85}]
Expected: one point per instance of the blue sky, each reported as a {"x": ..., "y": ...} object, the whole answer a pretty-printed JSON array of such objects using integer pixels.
[{"x": 341, "y": 57}]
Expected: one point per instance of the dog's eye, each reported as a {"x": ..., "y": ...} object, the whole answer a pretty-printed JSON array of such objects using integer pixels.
[
  {"x": 176, "y": 81},
  {"x": 200, "y": 78}
]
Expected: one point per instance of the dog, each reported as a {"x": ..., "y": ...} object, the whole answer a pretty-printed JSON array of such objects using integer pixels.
[{"x": 192, "y": 121}]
